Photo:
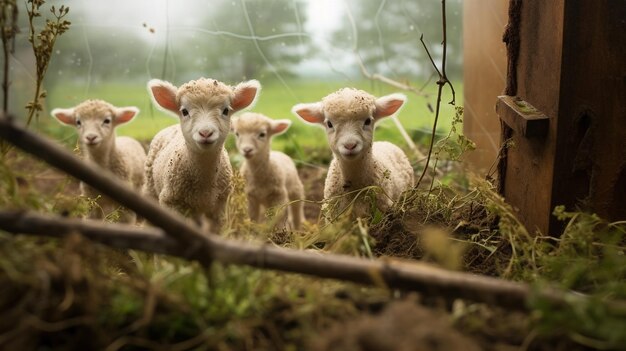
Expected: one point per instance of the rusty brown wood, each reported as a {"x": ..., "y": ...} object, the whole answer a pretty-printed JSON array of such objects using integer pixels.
[
  {"x": 522, "y": 117},
  {"x": 573, "y": 72}
]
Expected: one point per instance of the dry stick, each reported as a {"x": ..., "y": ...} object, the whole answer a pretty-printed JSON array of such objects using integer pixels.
[
  {"x": 389, "y": 273},
  {"x": 180, "y": 238},
  {"x": 104, "y": 181},
  {"x": 443, "y": 80}
]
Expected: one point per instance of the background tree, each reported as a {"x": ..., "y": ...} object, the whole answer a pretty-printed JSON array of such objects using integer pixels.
[
  {"x": 246, "y": 59},
  {"x": 389, "y": 36}
]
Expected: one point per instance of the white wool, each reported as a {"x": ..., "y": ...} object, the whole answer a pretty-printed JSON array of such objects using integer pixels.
[
  {"x": 271, "y": 176},
  {"x": 349, "y": 116},
  {"x": 96, "y": 121},
  {"x": 188, "y": 169}
]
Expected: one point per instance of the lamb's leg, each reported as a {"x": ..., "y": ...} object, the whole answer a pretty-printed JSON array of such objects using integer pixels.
[
  {"x": 296, "y": 209},
  {"x": 297, "y": 213},
  {"x": 254, "y": 209},
  {"x": 278, "y": 202}
]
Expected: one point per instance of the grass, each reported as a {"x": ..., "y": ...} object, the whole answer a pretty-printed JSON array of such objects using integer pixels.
[{"x": 275, "y": 101}]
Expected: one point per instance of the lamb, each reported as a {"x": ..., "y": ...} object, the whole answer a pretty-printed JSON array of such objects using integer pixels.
[
  {"x": 188, "y": 169},
  {"x": 96, "y": 121},
  {"x": 271, "y": 176},
  {"x": 349, "y": 116}
]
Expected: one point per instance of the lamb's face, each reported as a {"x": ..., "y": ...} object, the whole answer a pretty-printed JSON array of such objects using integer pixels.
[
  {"x": 95, "y": 121},
  {"x": 349, "y": 116},
  {"x": 204, "y": 107},
  {"x": 351, "y": 136},
  {"x": 205, "y": 122},
  {"x": 253, "y": 133}
]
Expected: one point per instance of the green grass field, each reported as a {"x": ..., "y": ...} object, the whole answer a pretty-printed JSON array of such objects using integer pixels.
[{"x": 275, "y": 101}]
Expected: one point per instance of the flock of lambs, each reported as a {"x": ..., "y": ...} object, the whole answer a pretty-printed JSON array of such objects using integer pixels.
[{"x": 187, "y": 168}]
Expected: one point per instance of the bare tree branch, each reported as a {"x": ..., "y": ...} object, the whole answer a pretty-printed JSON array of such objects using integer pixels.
[
  {"x": 388, "y": 273},
  {"x": 105, "y": 182}
]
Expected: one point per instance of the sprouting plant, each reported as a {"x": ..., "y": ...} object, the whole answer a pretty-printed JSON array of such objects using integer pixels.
[
  {"x": 43, "y": 45},
  {"x": 454, "y": 145}
]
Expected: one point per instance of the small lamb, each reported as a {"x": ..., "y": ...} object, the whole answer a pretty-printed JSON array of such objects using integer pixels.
[
  {"x": 96, "y": 121},
  {"x": 271, "y": 176},
  {"x": 188, "y": 169},
  {"x": 349, "y": 116}
]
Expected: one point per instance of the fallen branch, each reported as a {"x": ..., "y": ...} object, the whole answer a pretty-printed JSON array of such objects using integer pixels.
[
  {"x": 389, "y": 273},
  {"x": 104, "y": 181},
  {"x": 180, "y": 238}
]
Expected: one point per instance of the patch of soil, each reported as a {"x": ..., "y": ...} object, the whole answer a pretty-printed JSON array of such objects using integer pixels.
[
  {"x": 402, "y": 326},
  {"x": 400, "y": 235},
  {"x": 313, "y": 179},
  {"x": 40, "y": 176}
]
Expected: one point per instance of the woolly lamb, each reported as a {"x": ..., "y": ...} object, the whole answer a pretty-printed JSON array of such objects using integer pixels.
[
  {"x": 271, "y": 176},
  {"x": 349, "y": 116},
  {"x": 188, "y": 169},
  {"x": 96, "y": 121}
]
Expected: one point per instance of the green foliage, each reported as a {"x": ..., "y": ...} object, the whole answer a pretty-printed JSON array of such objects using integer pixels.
[{"x": 43, "y": 44}]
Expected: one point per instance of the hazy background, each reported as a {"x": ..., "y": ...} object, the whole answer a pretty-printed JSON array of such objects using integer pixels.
[{"x": 299, "y": 50}]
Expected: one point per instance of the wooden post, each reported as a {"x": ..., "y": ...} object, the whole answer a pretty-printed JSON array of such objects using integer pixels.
[{"x": 570, "y": 68}]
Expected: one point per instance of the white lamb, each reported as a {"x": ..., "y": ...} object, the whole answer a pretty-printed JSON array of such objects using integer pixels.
[
  {"x": 96, "y": 121},
  {"x": 188, "y": 169},
  {"x": 349, "y": 116},
  {"x": 271, "y": 176}
]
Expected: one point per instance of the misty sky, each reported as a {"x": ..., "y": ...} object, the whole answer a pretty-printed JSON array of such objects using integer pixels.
[{"x": 323, "y": 15}]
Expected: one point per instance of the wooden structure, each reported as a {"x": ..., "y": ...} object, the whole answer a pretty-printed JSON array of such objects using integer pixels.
[{"x": 565, "y": 116}]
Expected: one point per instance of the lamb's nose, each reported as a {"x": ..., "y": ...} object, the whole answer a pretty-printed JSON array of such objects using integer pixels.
[
  {"x": 90, "y": 137},
  {"x": 349, "y": 146},
  {"x": 205, "y": 133},
  {"x": 247, "y": 150}
]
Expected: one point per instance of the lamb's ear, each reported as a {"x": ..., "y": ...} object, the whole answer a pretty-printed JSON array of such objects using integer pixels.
[
  {"x": 388, "y": 105},
  {"x": 245, "y": 94},
  {"x": 311, "y": 112},
  {"x": 64, "y": 115},
  {"x": 164, "y": 94},
  {"x": 279, "y": 126},
  {"x": 125, "y": 114}
]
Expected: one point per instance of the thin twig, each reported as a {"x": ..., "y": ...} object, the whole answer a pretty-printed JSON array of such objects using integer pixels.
[{"x": 443, "y": 80}]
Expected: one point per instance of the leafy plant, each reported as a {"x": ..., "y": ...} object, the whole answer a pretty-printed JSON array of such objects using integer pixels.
[{"x": 43, "y": 45}]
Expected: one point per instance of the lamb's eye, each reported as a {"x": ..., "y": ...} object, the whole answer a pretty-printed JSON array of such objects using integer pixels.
[
  {"x": 329, "y": 124},
  {"x": 107, "y": 121},
  {"x": 225, "y": 112},
  {"x": 261, "y": 135},
  {"x": 184, "y": 112},
  {"x": 237, "y": 135},
  {"x": 78, "y": 122},
  {"x": 368, "y": 121}
]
